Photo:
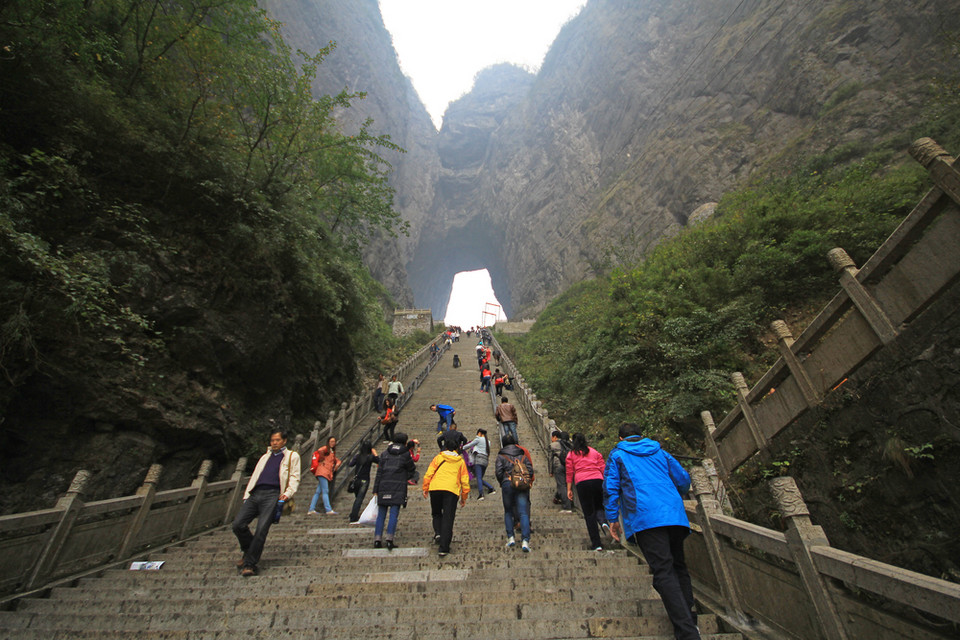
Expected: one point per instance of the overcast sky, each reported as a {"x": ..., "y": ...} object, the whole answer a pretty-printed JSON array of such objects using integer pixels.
[{"x": 442, "y": 44}]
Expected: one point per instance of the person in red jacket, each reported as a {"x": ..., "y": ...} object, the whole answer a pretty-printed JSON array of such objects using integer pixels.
[{"x": 327, "y": 463}]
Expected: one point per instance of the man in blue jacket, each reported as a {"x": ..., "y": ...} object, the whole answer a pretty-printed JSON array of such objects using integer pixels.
[
  {"x": 446, "y": 413},
  {"x": 647, "y": 484}
]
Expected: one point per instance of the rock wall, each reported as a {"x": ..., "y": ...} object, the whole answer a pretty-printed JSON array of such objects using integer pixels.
[{"x": 643, "y": 111}]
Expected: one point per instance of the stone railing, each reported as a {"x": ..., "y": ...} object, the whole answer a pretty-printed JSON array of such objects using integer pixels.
[
  {"x": 916, "y": 264},
  {"x": 43, "y": 547},
  {"x": 356, "y": 412},
  {"x": 72, "y": 537},
  {"x": 795, "y": 585}
]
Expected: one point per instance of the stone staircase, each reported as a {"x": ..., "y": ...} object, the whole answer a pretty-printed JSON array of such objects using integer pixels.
[{"x": 321, "y": 578}]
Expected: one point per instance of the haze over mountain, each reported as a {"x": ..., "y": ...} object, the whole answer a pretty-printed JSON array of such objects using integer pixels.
[{"x": 642, "y": 113}]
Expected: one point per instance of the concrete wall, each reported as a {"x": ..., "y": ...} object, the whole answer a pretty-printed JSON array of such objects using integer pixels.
[{"x": 407, "y": 321}]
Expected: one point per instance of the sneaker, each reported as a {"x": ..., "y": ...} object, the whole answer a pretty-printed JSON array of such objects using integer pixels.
[
  {"x": 606, "y": 528},
  {"x": 480, "y": 498},
  {"x": 599, "y": 549},
  {"x": 311, "y": 513},
  {"x": 436, "y": 539},
  {"x": 511, "y": 543},
  {"x": 491, "y": 492},
  {"x": 442, "y": 553},
  {"x": 525, "y": 546},
  {"x": 377, "y": 544},
  {"x": 390, "y": 545},
  {"x": 331, "y": 513},
  {"x": 248, "y": 572},
  {"x": 566, "y": 511},
  {"x": 411, "y": 482},
  {"x": 357, "y": 522}
]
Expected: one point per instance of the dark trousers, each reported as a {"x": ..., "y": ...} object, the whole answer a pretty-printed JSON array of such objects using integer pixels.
[
  {"x": 443, "y": 505},
  {"x": 663, "y": 549},
  {"x": 560, "y": 477},
  {"x": 590, "y": 493},
  {"x": 261, "y": 504},
  {"x": 358, "y": 501}
]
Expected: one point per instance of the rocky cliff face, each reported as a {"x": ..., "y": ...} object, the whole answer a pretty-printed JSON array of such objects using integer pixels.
[
  {"x": 364, "y": 60},
  {"x": 643, "y": 111}
]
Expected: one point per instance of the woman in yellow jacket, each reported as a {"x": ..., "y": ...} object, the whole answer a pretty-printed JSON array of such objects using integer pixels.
[{"x": 446, "y": 481}]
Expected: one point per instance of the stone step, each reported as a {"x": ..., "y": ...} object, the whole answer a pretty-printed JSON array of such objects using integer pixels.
[
  {"x": 399, "y": 623},
  {"x": 415, "y": 607}
]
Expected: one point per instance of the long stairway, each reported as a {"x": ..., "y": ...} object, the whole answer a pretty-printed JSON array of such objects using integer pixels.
[{"x": 321, "y": 578}]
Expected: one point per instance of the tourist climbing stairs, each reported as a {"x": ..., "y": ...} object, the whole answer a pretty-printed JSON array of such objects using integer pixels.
[{"x": 320, "y": 577}]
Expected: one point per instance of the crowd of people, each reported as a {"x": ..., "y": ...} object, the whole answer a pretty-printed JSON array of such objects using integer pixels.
[{"x": 639, "y": 483}]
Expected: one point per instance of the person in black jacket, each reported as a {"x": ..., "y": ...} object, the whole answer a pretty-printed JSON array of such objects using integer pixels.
[
  {"x": 390, "y": 486},
  {"x": 364, "y": 458}
]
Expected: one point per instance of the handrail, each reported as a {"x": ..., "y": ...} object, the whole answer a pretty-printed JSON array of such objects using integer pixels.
[
  {"x": 875, "y": 302},
  {"x": 74, "y": 537}
]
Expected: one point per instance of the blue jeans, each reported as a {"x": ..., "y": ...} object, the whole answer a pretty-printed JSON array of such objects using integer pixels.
[
  {"x": 478, "y": 471},
  {"x": 521, "y": 499},
  {"x": 443, "y": 424},
  {"x": 323, "y": 488},
  {"x": 382, "y": 516},
  {"x": 511, "y": 428}
]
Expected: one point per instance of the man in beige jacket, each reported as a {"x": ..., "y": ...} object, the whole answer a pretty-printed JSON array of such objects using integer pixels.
[{"x": 275, "y": 478}]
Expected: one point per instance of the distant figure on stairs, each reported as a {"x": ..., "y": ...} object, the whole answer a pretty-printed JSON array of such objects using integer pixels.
[
  {"x": 276, "y": 477},
  {"x": 647, "y": 484}
]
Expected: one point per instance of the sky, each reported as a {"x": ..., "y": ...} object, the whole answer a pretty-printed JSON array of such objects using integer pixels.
[
  {"x": 442, "y": 44},
  {"x": 471, "y": 292}
]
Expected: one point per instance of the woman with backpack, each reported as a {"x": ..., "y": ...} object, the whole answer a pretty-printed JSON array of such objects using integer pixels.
[
  {"x": 390, "y": 487},
  {"x": 323, "y": 465},
  {"x": 363, "y": 460},
  {"x": 514, "y": 471},
  {"x": 479, "y": 449},
  {"x": 585, "y": 469},
  {"x": 446, "y": 482}
]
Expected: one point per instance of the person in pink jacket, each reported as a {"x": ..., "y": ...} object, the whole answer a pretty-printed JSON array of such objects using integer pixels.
[{"x": 585, "y": 469}]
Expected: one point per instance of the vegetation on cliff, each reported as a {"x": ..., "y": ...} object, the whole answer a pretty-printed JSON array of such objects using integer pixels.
[
  {"x": 657, "y": 342},
  {"x": 180, "y": 228}
]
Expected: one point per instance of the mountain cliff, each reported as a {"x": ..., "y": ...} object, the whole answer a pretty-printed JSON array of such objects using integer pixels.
[
  {"x": 364, "y": 60},
  {"x": 645, "y": 111}
]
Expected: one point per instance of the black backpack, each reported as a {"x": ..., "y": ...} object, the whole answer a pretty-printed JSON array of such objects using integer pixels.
[{"x": 565, "y": 448}]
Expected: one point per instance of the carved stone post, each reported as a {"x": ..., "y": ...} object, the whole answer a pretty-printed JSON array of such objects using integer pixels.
[
  {"x": 711, "y": 444},
  {"x": 315, "y": 434},
  {"x": 71, "y": 505},
  {"x": 201, "y": 486},
  {"x": 742, "y": 390},
  {"x": 238, "y": 491},
  {"x": 352, "y": 412},
  {"x": 940, "y": 165},
  {"x": 785, "y": 345},
  {"x": 875, "y": 316},
  {"x": 147, "y": 490},
  {"x": 331, "y": 417},
  {"x": 802, "y": 535},
  {"x": 341, "y": 420},
  {"x": 708, "y": 506}
]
